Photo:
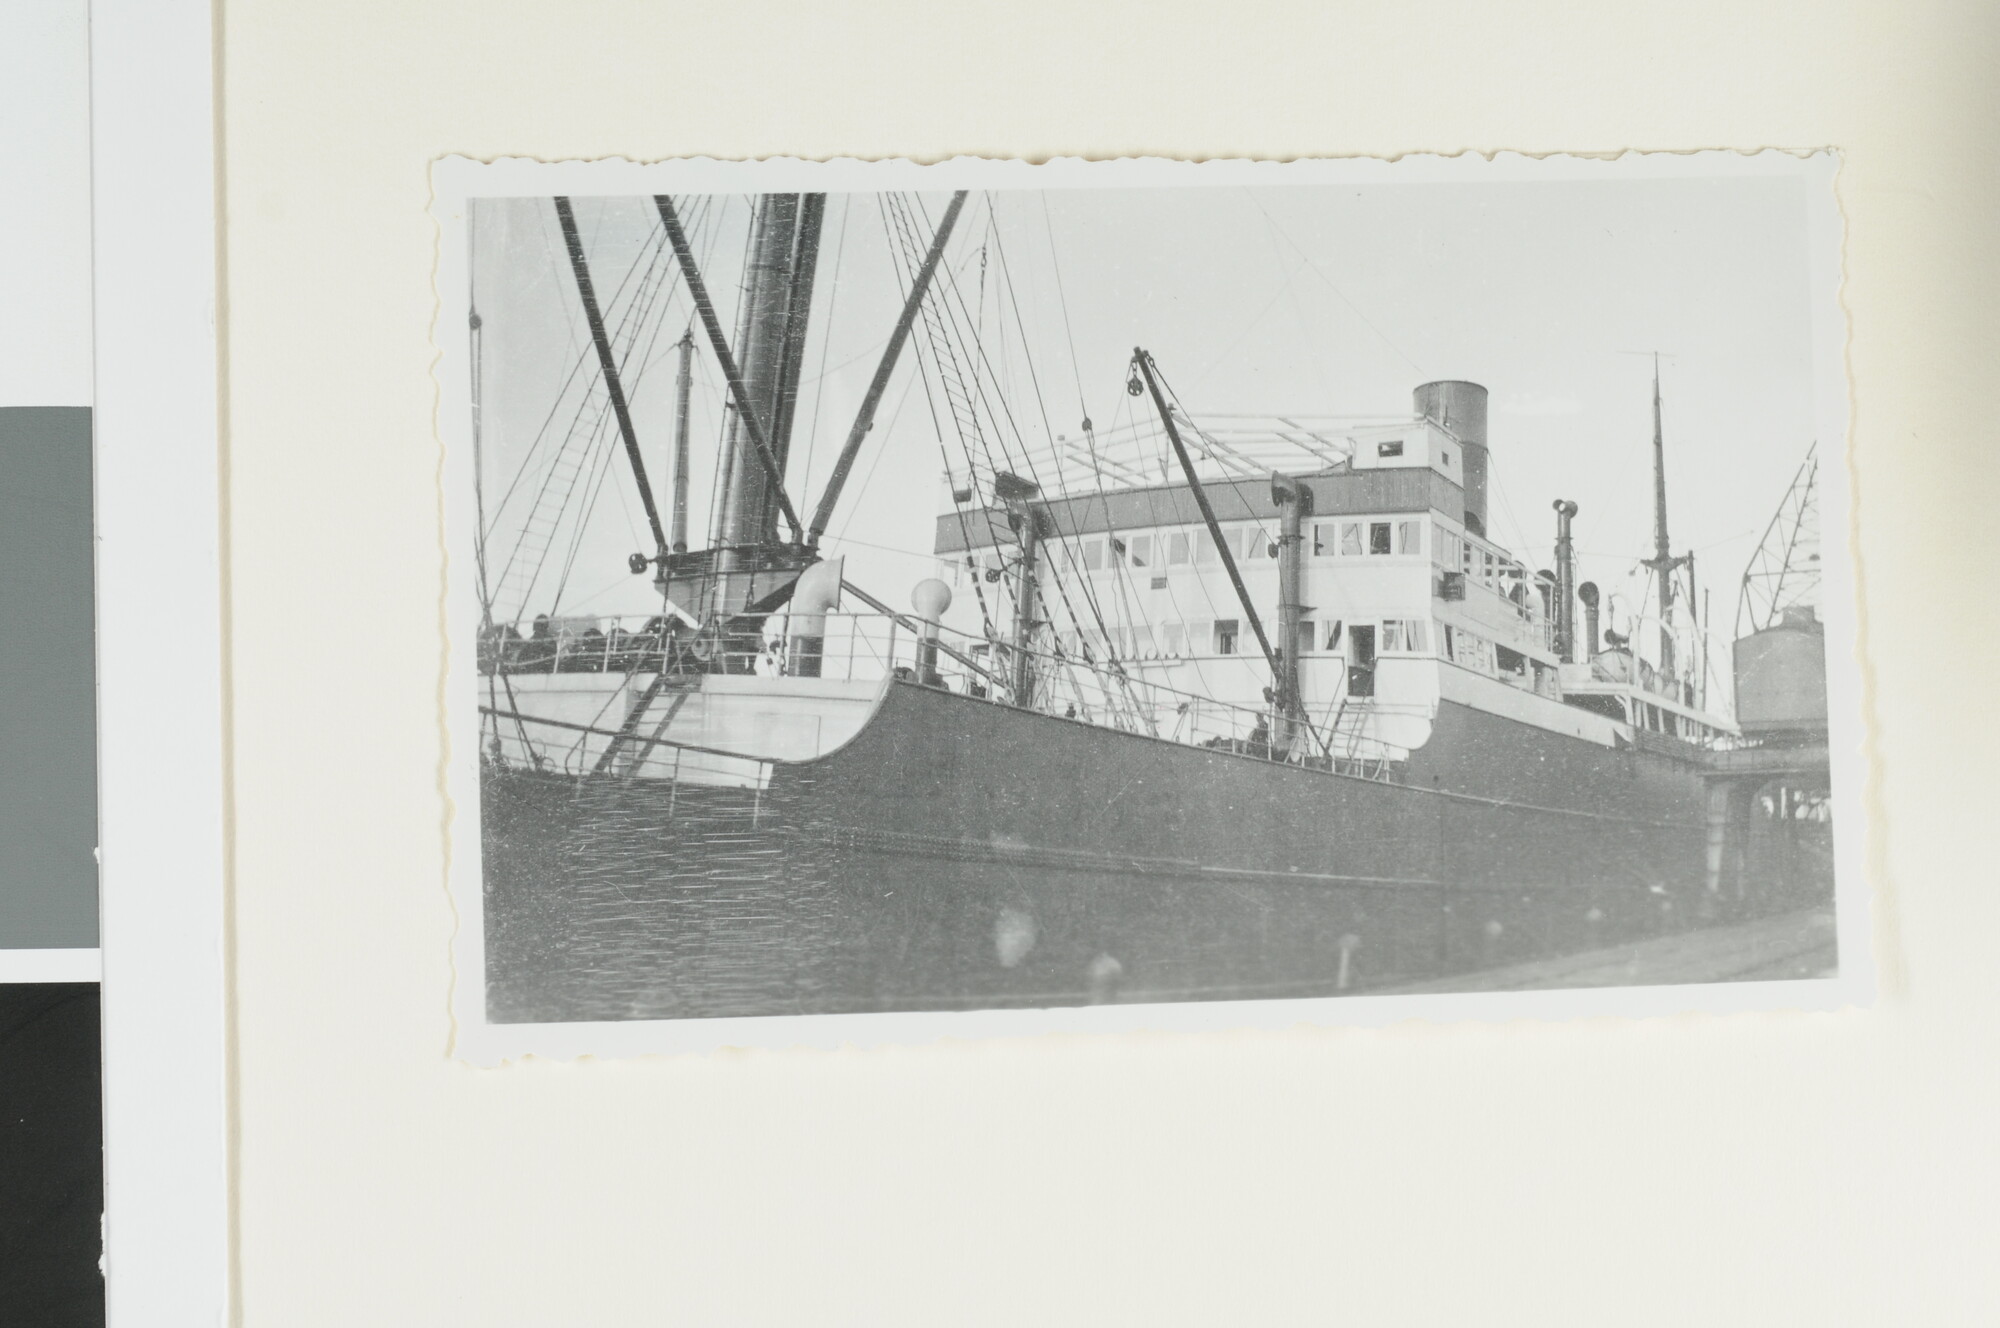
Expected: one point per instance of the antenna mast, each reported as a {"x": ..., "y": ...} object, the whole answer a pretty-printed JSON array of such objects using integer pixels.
[{"x": 1663, "y": 561}]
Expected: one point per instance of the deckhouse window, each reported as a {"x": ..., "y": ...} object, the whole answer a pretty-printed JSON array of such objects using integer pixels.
[
  {"x": 1204, "y": 549},
  {"x": 1093, "y": 555},
  {"x": 1173, "y": 638},
  {"x": 1405, "y": 636},
  {"x": 1142, "y": 551},
  {"x": 1393, "y": 448},
  {"x": 1225, "y": 636},
  {"x": 1350, "y": 539},
  {"x": 1179, "y": 550},
  {"x": 1378, "y": 537},
  {"x": 1409, "y": 537},
  {"x": 1308, "y": 635}
]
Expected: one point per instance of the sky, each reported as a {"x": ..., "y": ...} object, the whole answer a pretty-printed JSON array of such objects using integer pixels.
[{"x": 1309, "y": 299}]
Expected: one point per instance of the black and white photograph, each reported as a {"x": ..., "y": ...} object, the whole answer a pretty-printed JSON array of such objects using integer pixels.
[{"x": 886, "y": 590}]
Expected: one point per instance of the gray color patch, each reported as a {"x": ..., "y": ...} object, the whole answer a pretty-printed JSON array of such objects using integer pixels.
[{"x": 48, "y": 681}]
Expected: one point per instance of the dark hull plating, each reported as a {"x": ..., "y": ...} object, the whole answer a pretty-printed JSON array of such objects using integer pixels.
[{"x": 959, "y": 854}]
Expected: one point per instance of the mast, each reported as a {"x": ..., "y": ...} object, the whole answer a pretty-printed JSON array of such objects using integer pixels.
[
  {"x": 1295, "y": 504},
  {"x": 745, "y": 312},
  {"x": 798, "y": 309},
  {"x": 745, "y": 418},
  {"x": 1565, "y": 606},
  {"x": 683, "y": 382},
  {"x": 1663, "y": 558},
  {"x": 760, "y": 343},
  {"x": 1019, "y": 494}
]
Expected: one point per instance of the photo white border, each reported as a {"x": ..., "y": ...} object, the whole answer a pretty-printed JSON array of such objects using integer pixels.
[
  {"x": 167, "y": 1173},
  {"x": 456, "y": 180}
]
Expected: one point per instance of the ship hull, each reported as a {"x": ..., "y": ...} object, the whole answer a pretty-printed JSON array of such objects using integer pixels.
[{"x": 960, "y": 854}]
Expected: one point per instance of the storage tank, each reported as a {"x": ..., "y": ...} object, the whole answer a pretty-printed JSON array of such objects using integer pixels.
[
  {"x": 1781, "y": 677},
  {"x": 1461, "y": 408}
]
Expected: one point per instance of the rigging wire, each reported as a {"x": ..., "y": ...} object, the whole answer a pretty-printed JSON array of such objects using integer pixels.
[
  {"x": 1006, "y": 423},
  {"x": 634, "y": 313},
  {"x": 657, "y": 284},
  {"x": 1088, "y": 588},
  {"x": 580, "y": 359},
  {"x": 645, "y": 264},
  {"x": 1352, "y": 306},
  {"x": 553, "y": 468},
  {"x": 906, "y": 277}
]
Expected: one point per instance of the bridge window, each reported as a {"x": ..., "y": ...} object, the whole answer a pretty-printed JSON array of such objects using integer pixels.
[
  {"x": 1173, "y": 638},
  {"x": 1350, "y": 539},
  {"x": 1204, "y": 548},
  {"x": 1179, "y": 552},
  {"x": 1378, "y": 537},
  {"x": 1093, "y": 555},
  {"x": 1308, "y": 634},
  {"x": 1141, "y": 551},
  {"x": 1409, "y": 537},
  {"x": 1225, "y": 636}
]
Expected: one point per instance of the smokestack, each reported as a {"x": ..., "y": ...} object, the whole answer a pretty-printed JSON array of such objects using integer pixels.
[
  {"x": 1565, "y": 583},
  {"x": 1587, "y": 592},
  {"x": 1461, "y": 408}
]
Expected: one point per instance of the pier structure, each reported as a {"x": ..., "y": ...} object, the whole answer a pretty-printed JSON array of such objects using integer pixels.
[{"x": 1777, "y": 777}]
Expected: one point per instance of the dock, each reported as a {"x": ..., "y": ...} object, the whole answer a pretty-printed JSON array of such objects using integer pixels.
[{"x": 1788, "y": 946}]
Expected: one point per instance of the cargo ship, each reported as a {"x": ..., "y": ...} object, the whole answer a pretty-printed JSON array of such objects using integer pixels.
[{"x": 1192, "y": 708}]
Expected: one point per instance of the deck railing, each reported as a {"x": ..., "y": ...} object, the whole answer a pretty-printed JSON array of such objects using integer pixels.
[{"x": 870, "y": 647}]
